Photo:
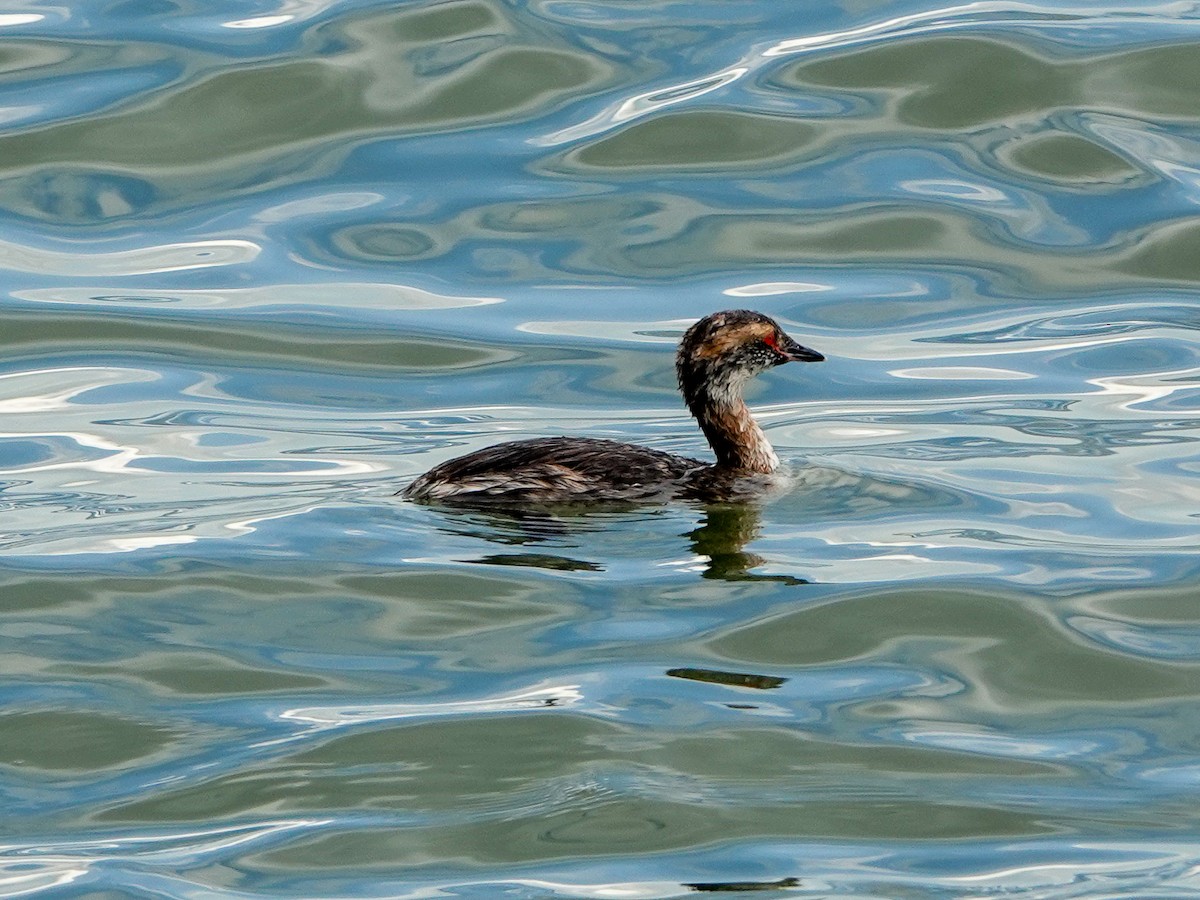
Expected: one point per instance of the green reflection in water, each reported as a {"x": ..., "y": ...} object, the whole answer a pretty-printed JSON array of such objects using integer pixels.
[
  {"x": 538, "y": 765},
  {"x": 1013, "y": 653},
  {"x": 65, "y": 740},
  {"x": 198, "y": 674},
  {"x": 956, "y": 83},
  {"x": 604, "y": 825},
  {"x": 703, "y": 140},
  {"x": 245, "y": 126},
  {"x": 898, "y": 236},
  {"x": 1068, "y": 157},
  {"x": 32, "y": 333}
]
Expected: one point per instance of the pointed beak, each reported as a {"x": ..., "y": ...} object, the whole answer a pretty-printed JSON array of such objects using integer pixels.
[{"x": 793, "y": 352}]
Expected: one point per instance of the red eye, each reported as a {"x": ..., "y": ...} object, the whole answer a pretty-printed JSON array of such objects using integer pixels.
[{"x": 771, "y": 342}]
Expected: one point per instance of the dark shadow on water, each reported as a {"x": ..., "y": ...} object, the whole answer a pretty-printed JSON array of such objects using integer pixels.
[
  {"x": 538, "y": 561},
  {"x": 722, "y": 534},
  {"x": 741, "y": 886},
  {"x": 733, "y": 679}
]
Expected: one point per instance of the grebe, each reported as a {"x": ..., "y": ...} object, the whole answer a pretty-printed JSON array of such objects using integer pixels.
[{"x": 716, "y": 357}]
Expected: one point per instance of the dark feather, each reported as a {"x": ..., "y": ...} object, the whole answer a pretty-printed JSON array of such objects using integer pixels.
[{"x": 553, "y": 470}]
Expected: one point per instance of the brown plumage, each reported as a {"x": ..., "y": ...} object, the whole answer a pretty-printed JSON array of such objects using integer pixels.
[{"x": 716, "y": 357}]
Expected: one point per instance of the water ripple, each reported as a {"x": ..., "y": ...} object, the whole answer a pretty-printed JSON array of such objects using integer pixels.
[
  {"x": 263, "y": 265},
  {"x": 143, "y": 261}
]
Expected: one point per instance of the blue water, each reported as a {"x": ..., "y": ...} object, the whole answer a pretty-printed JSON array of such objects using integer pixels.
[{"x": 262, "y": 263}]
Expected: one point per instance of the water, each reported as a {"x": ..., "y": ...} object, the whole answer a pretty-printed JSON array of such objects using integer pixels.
[{"x": 263, "y": 263}]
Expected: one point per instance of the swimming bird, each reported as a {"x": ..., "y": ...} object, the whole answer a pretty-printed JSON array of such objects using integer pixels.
[{"x": 716, "y": 357}]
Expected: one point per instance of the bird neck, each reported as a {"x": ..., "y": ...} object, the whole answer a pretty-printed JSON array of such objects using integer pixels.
[{"x": 737, "y": 440}]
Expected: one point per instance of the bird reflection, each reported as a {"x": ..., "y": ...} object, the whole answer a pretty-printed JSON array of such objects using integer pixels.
[{"x": 721, "y": 536}]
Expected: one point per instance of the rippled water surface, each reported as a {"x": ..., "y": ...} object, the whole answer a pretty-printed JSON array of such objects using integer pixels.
[{"x": 263, "y": 262}]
